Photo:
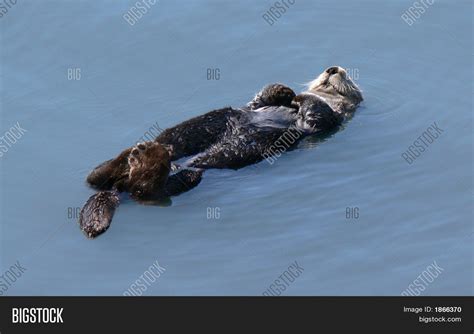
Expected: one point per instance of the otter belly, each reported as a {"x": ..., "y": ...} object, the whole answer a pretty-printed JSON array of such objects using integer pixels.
[{"x": 273, "y": 117}]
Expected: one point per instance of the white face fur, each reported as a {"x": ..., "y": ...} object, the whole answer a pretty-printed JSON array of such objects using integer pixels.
[{"x": 334, "y": 82}]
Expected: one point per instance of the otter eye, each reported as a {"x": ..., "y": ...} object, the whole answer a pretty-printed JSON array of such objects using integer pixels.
[{"x": 332, "y": 70}]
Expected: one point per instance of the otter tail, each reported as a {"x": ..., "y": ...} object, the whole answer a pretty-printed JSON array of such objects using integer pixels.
[{"x": 96, "y": 215}]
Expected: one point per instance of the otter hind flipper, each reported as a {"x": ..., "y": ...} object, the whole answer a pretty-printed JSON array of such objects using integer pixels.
[{"x": 96, "y": 215}]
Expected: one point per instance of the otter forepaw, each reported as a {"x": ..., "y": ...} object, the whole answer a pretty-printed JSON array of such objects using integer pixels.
[
  {"x": 273, "y": 95},
  {"x": 175, "y": 167}
]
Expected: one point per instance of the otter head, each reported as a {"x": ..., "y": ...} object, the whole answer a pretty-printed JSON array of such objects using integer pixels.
[{"x": 335, "y": 86}]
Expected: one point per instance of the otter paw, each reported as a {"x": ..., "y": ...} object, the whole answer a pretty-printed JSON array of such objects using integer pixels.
[
  {"x": 175, "y": 167},
  {"x": 278, "y": 94},
  {"x": 273, "y": 95}
]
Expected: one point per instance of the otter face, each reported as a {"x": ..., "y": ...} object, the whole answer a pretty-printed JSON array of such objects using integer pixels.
[{"x": 335, "y": 81}]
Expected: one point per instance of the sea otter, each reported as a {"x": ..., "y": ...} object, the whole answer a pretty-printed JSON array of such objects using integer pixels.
[{"x": 223, "y": 138}]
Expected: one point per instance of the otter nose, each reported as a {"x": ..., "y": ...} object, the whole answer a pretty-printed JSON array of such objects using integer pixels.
[{"x": 332, "y": 70}]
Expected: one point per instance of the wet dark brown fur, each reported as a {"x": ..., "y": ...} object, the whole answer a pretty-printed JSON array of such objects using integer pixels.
[
  {"x": 143, "y": 171},
  {"x": 222, "y": 138}
]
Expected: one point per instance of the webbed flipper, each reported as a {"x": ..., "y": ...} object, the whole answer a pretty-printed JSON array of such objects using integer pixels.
[{"x": 96, "y": 215}]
